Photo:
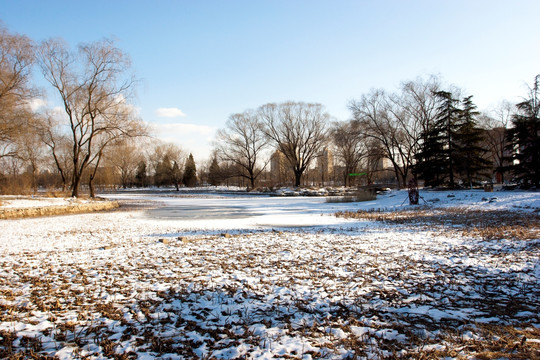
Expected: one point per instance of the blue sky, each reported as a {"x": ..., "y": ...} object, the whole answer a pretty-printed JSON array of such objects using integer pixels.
[{"x": 204, "y": 60}]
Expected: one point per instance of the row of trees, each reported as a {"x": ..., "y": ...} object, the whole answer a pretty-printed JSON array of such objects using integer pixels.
[
  {"x": 94, "y": 136},
  {"x": 423, "y": 130},
  {"x": 298, "y": 130},
  {"x": 152, "y": 164},
  {"x": 93, "y": 85},
  {"x": 452, "y": 144}
]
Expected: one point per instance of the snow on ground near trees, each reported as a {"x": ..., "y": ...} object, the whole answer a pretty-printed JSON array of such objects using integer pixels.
[
  {"x": 37, "y": 201},
  {"x": 289, "y": 279}
]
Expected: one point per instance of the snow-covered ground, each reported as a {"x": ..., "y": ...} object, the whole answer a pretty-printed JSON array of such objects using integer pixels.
[
  {"x": 37, "y": 201},
  {"x": 259, "y": 277}
]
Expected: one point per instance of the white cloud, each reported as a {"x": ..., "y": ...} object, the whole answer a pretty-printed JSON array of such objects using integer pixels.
[
  {"x": 180, "y": 128},
  {"x": 170, "y": 112},
  {"x": 194, "y": 138},
  {"x": 36, "y": 104}
]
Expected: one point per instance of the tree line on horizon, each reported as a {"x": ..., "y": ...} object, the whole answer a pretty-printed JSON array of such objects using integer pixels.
[{"x": 425, "y": 131}]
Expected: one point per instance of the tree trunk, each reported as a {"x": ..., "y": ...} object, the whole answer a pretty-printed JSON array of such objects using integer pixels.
[
  {"x": 297, "y": 178},
  {"x": 64, "y": 181},
  {"x": 396, "y": 172},
  {"x": 451, "y": 174},
  {"x": 91, "y": 187},
  {"x": 75, "y": 186},
  {"x": 451, "y": 164},
  {"x": 404, "y": 178},
  {"x": 347, "y": 178},
  {"x": 34, "y": 179}
]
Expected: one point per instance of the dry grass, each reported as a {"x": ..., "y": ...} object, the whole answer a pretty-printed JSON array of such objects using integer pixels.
[
  {"x": 357, "y": 196},
  {"x": 491, "y": 342},
  {"x": 76, "y": 208},
  {"x": 365, "y": 293},
  {"x": 489, "y": 225},
  {"x": 59, "y": 194}
]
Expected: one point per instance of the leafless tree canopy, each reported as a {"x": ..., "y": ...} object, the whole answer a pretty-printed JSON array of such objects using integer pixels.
[
  {"x": 396, "y": 121},
  {"x": 350, "y": 146},
  {"x": 16, "y": 60},
  {"x": 93, "y": 84},
  {"x": 92, "y": 133},
  {"x": 124, "y": 157},
  {"x": 495, "y": 125},
  {"x": 299, "y": 130},
  {"x": 57, "y": 144},
  {"x": 242, "y": 142}
]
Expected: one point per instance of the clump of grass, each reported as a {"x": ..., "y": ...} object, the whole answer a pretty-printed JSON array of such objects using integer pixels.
[
  {"x": 57, "y": 194},
  {"x": 489, "y": 225},
  {"x": 493, "y": 342}
]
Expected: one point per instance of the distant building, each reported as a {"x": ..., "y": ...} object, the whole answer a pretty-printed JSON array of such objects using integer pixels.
[
  {"x": 385, "y": 164},
  {"x": 325, "y": 166},
  {"x": 277, "y": 167}
]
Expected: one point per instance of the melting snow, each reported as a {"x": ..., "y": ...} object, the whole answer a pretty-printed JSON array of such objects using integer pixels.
[{"x": 290, "y": 280}]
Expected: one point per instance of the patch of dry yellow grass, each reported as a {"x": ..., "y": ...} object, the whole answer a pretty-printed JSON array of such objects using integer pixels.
[
  {"x": 489, "y": 225},
  {"x": 19, "y": 213}
]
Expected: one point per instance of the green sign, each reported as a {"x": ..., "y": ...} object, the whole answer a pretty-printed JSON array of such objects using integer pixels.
[{"x": 358, "y": 174}]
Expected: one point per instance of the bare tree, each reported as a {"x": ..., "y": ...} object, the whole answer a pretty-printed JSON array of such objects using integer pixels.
[
  {"x": 31, "y": 152},
  {"x": 376, "y": 118},
  {"x": 58, "y": 145},
  {"x": 495, "y": 125},
  {"x": 397, "y": 121},
  {"x": 242, "y": 142},
  {"x": 418, "y": 100},
  {"x": 416, "y": 106},
  {"x": 120, "y": 125},
  {"x": 16, "y": 60},
  {"x": 93, "y": 84},
  {"x": 125, "y": 157},
  {"x": 350, "y": 146},
  {"x": 372, "y": 163},
  {"x": 298, "y": 130}
]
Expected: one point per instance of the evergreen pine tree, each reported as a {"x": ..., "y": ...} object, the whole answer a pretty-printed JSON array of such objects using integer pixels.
[
  {"x": 429, "y": 159},
  {"x": 469, "y": 160},
  {"x": 214, "y": 175},
  {"x": 436, "y": 161},
  {"x": 524, "y": 138},
  {"x": 190, "y": 172},
  {"x": 447, "y": 122},
  {"x": 141, "y": 175}
]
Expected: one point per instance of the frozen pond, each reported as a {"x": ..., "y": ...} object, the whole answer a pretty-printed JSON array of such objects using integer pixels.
[
  {"x": 190, "y": 211},
  {"x": 198, "y": 210},
  {"x": 235, "y": 207},
  {"x": 250, "y": 210}
]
